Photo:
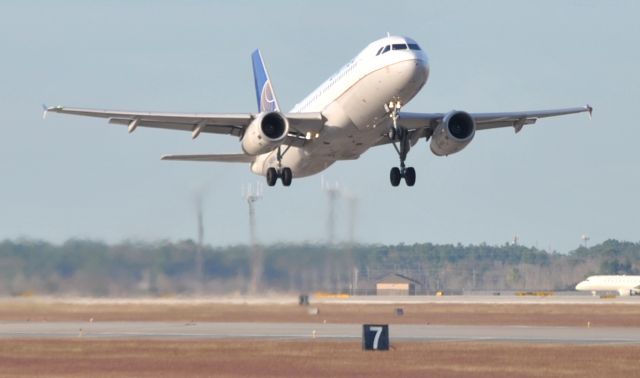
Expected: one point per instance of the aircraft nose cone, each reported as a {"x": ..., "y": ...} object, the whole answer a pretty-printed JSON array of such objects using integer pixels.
[
  {"x": 421, "y": 72},
  {"x": 425, "y": 68},
  {"x": 422, "y": 65},
  {"x": 422, "y": 57}
]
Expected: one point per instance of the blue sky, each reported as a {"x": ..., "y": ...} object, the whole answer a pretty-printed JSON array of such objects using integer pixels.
[{"x": 80, "y": 177}]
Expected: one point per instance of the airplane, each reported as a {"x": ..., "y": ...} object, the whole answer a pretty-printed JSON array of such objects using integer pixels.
[
  {"x": 357, "y": 108},
  {"x": 624, "y": 285}
]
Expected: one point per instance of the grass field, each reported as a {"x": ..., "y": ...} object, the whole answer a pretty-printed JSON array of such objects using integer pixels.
[
  {"x": 246, "y": 358},
  {"x": 619, "y": 315}
]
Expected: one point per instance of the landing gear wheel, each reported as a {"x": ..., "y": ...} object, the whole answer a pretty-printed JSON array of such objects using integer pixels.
[
  {"x": 286, "y": 176},
  {"x": 272, "y": 176},
  {"x": 395, "y": 176},
  {"x": 410, "y": 176}
]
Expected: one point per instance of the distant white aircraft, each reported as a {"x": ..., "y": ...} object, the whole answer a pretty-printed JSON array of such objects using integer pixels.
[
  {"x": 624, "y": 285},
  {"x": 355, "y": 109}
]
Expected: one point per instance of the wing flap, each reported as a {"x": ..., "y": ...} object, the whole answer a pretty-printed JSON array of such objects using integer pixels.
[
  {"x": 305, "y": 123},
  {"x": 222, "y": 158},
  {"x": 204, "y": 125}
]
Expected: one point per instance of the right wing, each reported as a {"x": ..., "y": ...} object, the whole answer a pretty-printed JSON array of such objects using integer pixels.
[
  {"x": 484, "y": 121},
  {"x": 301, "y": 124},
  {"x": 427, "y": 122},
  {"x": 422, "y": 125}
]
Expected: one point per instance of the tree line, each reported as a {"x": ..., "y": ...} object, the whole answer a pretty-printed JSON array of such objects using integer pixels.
[{"x": 133, "y": 268}]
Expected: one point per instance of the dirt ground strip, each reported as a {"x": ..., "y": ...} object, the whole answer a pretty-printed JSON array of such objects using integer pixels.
[
  {"x": 618, "y": 315},
  {"x": 245, "y": 358}
]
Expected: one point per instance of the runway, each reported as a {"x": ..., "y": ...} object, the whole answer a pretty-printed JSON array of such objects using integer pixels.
[{"x": 310, "y": 331}]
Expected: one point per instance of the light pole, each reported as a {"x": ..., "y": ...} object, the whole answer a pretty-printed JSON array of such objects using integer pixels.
[{"x": 585, "y": 239}]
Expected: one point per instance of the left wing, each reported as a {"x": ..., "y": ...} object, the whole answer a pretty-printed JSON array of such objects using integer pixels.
[
  {"x": 424, "y": 123},
  {"x": 301, "y": 124}
]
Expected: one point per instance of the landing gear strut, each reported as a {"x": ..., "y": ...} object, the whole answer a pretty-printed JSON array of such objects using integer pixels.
[
  {"x": 399, "y": 137},
  {"x": 283, "y": 173}
]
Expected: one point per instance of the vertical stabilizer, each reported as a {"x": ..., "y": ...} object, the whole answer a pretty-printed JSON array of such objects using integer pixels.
[{"x": 264, "y": 92}]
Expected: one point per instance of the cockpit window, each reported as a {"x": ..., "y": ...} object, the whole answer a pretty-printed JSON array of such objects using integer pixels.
[
  {"x": 379, "y": 51},
  {"x": 414, "y": 46},
  {"x": 399, "y": 46},
  {"x": 386, "y": 48}
]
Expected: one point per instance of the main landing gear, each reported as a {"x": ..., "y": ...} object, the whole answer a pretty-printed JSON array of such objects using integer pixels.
[
  {"x": 400, "y": 139},
  {"x": 283, "y": 173}
]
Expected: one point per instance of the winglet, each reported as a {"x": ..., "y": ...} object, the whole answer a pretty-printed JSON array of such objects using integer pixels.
[
  {"x": 589, "y": 109},
  {"x": 46, "y": 109}
]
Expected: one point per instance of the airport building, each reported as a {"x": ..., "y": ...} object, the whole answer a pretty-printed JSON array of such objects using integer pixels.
[{"x": 397, "y": 284}]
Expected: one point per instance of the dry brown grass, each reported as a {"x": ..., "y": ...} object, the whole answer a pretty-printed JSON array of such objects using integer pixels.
[
  {"x": 233, "y": 358},
  {"x": 476, "y": 314}
]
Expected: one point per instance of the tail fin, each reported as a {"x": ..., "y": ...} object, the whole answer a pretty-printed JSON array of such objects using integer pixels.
[{"x": 264, "y": 92}]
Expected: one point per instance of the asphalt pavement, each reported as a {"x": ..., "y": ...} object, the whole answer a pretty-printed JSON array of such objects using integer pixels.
[{"x": 310, "y": 331}]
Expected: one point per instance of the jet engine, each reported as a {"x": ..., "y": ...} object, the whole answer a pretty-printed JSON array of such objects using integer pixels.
[
  {"x": 453, "y": 134},
  {"x": 265, "y": 133}
]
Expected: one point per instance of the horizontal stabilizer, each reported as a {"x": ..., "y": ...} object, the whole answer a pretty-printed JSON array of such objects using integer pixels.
[{"x": 228, "y": 158}]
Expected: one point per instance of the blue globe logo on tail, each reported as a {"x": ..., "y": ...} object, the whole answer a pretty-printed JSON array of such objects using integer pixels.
[
  {"x": 267, "y": 100},
  {"x": 264, "y": 92}
]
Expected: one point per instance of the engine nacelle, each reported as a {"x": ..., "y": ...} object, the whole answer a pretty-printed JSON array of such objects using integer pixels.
[
  {"x": 453, "y": 134},
  {"x": 265, "y": 133}
]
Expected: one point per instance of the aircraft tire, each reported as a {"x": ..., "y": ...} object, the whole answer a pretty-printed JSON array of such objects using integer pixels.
[
  {"x": 395, "y": 176},
  {"x": 272, "y": 176},
  {"x": 287, "y": 176},
  {"x": 410, "y": 176}
]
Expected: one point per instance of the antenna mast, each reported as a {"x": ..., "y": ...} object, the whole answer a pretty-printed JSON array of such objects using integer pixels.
[
  {"x": 257, "y": 260},
  {"x": 332, "y": 191}
]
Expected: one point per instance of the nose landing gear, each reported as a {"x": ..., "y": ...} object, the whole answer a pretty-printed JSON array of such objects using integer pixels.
[{"x": 399, "y": 137}]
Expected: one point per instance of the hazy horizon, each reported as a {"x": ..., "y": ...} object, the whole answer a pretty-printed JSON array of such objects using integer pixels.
[{"x": 337, "y": 246}]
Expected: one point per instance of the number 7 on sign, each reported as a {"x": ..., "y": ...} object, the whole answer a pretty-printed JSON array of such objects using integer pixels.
[{"x": 376, "y": 338}]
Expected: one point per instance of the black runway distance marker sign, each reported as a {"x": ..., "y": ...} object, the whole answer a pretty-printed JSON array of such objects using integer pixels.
[{"x": 375, "y": 337}]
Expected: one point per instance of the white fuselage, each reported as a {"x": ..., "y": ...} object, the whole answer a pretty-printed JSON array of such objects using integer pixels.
[
  {"x": 353, "y": 103},
  {"x": 625, "y": 285}
]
